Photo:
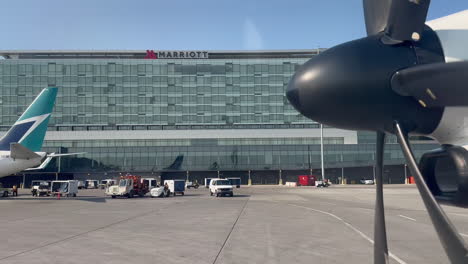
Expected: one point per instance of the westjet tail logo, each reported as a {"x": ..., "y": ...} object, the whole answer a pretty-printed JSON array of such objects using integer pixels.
[
  {"x": 151, "y": 55},
  {"x": 21, "y": 130}
]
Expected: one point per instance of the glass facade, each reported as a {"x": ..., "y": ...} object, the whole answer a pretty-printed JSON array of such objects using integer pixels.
[{"x": 122, "y": 93}]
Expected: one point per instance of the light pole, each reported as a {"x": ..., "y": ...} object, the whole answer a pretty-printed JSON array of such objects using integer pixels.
[
  {"x": 321, "y": 152},
  {"x": 58, "y": 165}
]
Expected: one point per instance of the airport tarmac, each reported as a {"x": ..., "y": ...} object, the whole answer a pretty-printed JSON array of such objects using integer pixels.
[{"x": 261, "y": 224}]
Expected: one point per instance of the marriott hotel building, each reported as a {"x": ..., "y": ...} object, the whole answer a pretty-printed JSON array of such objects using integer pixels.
[{"x": 184, "y": 113}]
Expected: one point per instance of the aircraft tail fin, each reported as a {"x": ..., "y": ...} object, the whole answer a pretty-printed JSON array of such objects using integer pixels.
[{"x": 31, "y": 127}]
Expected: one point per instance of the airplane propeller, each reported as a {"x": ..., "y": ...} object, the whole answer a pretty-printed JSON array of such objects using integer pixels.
[
  {"x": 401, "y": 20},
  {"x": 393, "y": 81},
  {"x": 428, "y": 84}
]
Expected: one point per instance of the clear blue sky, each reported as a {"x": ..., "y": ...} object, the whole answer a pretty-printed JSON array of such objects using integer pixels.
[{"x": 189, "y": 24}]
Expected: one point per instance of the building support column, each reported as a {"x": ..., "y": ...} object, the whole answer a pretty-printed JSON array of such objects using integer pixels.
[
  {"x": 250, "y": 180},
  {"x": 280, "y": 178},
  {"x": 343, "y": 180},
  {"x": 406, "y": 175}
]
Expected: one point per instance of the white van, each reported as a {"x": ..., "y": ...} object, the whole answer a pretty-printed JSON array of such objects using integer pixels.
[
  {"x": 220, "y": 187},
  {"x": 150, "y": 182}
]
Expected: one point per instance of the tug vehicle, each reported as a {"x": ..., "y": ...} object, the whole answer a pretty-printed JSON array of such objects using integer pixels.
[{"x": 128, "y": 186}]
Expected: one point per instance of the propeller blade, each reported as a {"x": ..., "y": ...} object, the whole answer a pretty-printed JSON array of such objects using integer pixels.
[
  {"x": 434, "y": 85},
  {"x": 406, "y": 19},
  {"x": 376, "y": 15},
  {"x": 452, "y": 242},
  {"x": 380, "y": 231}
]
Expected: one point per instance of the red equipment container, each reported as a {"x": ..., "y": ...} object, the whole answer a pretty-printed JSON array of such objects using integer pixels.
[{"x": 306, "y": 180}]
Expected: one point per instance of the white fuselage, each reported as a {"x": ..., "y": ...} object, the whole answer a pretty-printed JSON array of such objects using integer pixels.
[
  {"x": 453, "y": 35},
  {"x": 10, "y": 166}
]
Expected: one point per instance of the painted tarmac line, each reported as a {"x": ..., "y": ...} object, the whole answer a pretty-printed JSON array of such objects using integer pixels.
[
  {"x": 406, "y": 217},
  {"x": 465, "y": 235},
  {"x": 393, "y": 256},
  {"x": 465, "y": 215}
]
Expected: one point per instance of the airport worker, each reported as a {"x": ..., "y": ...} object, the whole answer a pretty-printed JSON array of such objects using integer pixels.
[
  {"x": 166, "y": 190},
  {"x": 15, "y": 190}
]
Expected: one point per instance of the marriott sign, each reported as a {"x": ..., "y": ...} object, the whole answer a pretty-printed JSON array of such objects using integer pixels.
[{"x": 191, "y": 54}]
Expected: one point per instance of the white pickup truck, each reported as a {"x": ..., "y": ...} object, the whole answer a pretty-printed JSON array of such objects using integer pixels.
[{"x": 220, "y": 187}]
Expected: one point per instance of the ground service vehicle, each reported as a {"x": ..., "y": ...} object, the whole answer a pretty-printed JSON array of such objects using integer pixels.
[
  {"x": 81, "y": 185},
  {"x": 207, "y": 182},
  {"x": 306, "y": 180},
  {"x": 106, "y": 183},
  {"x": 220, "y": 187},
  {"x": 189, "y": 185},
  {"x": 235, "y": 182},
  {"x": 150, "y": 182},
  {"x": 367, "y": 182},
  {"x": 159, "y": 192},
  {"x": 92, "y": 184},
  {"x": 176, "y": 186},
  {"x": 4, "y": 191},
  {"x": 128, "y": 186},
  {"x": 324, "y": 183},
  {"x": 40, "y": 188},
  {"x": 64, "y": 188}
]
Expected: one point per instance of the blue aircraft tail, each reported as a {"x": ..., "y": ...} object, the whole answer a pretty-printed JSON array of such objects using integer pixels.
[{"x": 31, "y": 127}]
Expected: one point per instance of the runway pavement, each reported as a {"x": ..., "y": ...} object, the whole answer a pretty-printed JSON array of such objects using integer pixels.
[{"x": 261, "y": 224}]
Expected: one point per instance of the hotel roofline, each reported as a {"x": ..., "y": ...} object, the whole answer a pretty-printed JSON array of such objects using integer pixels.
[{"x": 141, "y": 54}]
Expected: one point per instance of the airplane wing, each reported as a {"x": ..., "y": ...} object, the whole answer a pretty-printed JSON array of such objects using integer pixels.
[
  {"x": 53, "y": 155},
  {"x": 50, "y": 156},
  {"x": 42, "y": 166}
]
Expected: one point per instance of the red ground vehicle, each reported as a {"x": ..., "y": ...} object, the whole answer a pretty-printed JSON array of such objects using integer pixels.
[
  {"x": 128, "y": 186},
  {"x": 306, "y": 180}
]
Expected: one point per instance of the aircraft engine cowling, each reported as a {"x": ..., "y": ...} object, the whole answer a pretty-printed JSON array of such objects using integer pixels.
[{"x": 446, "y": 173}]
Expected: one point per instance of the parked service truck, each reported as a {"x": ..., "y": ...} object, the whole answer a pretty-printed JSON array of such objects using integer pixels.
[
  {"x": 64, "y": 188},
  {"x": 40, "y": 188},
  {"x": 176, "y": 186},
  {"x": 306, "y": 180},
  {"x": 235, "y": 182},
  {"x": 128, "y": 186}
]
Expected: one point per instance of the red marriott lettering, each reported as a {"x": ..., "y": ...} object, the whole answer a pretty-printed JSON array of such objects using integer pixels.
[
  {"x": 191, "y": 54},
  {"x": 151, "y": 55}
]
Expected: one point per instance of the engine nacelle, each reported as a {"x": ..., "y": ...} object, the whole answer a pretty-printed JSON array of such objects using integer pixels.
[{"x": 446, "y": 173}]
